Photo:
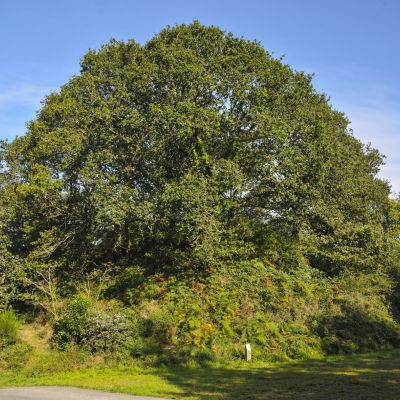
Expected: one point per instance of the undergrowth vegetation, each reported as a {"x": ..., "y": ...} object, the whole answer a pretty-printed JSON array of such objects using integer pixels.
[{"x": 172, "y": 320}]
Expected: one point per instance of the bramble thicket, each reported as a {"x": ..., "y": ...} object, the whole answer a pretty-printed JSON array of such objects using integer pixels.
[{"x": 177, "y": 199}]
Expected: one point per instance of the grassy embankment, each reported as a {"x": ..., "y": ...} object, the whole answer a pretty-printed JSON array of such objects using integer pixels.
[{"x": 371, "y": 376}]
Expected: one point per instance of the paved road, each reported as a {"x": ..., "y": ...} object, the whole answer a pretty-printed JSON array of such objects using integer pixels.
[{"x": 63, "y": 393}]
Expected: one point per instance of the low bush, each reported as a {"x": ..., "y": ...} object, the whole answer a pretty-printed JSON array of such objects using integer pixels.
[
  {"x": 8, "y": 328},
  {"x": 109, "y": 332},
  {"x": 98, "y": 327},
  {"x": 15, "y": 356},
  {"x": 71, "y": 327},
  {"x": 340, "y": 334}
]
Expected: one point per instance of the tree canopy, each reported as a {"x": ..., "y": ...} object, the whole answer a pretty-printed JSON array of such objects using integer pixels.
[{"x": 194, "y": 150}]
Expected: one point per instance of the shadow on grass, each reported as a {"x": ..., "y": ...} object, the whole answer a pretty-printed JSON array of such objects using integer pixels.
[{"x": 368, "y": 377}]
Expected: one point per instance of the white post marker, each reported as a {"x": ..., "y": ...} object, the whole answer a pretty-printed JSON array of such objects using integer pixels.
[{"x": 247, "y": 352}]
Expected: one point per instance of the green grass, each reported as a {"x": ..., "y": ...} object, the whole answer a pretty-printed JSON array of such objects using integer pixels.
[{"x": 372, "y": 376}]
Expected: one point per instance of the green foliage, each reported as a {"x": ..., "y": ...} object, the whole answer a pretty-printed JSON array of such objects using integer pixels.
[
  {"x": 209, "y": 187},
  {"x": 71, "y": 327},
  {"x": 15, "y": 356},
  {"x": 9, "y": 326},
  {"x": 112, "y": 331},
  {"x": 341, "y": 333},
  {"x": 103, "y": 327},
  {"x": 12, "y": 276},
  {"x": 188, "y": 152},
  {"x": 393, "y": 253},
  {"x": 11, "y": 266},
  {"x": 299, "y": 314}
]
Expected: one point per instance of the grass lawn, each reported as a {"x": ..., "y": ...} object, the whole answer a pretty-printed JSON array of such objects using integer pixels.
[{"x": 372, "y": 376}]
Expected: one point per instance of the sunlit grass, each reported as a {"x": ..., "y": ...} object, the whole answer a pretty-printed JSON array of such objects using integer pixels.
[{"x": 371, "y": 376}]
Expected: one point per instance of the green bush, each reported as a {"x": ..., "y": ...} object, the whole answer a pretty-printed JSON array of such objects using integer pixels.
[
  {"x": 8, "y": 328},
  {"x": 71, "y": 327},
  {"x": 341, "y": 334},
  {"x": 15, "y": 356},
  {"x": 109, "y": 332}
]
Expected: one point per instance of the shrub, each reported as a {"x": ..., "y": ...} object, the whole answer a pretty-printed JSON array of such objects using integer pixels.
[
  {"x": 8, "y": 328},
  {"x": 108, "y": 332},
  {"x": 71, "y": 327},
  {"x": 15, "y": 356},
  {"x": 342, "y": 333}
]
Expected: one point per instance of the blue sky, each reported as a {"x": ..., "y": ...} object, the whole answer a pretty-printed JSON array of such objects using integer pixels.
[{"x": 352, "y": 46}]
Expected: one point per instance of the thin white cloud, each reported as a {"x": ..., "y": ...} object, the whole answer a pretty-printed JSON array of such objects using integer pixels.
[
  {"x": 372, "y": 106},
  {"x": 23, "y": 94},
  {"x": 379, "y": 124}
]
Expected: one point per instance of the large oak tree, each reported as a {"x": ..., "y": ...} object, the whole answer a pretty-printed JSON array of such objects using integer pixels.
[{"x": 193, "y": 150}]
